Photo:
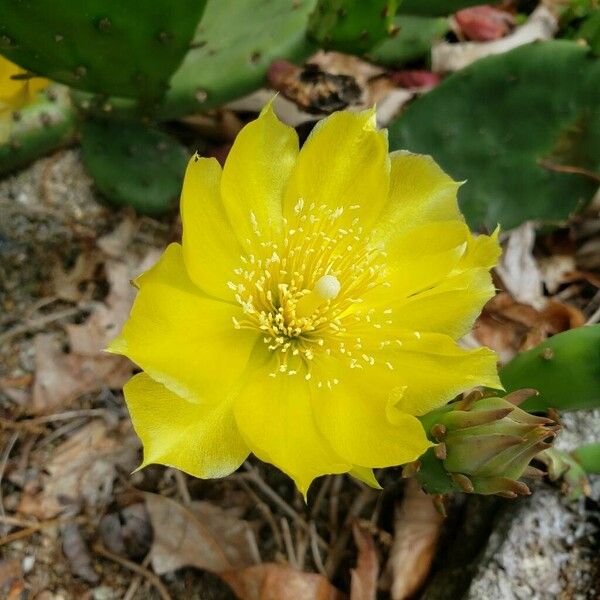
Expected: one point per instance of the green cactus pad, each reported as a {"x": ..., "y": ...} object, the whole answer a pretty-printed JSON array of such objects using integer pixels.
[
  {"x": 233, "y": 49},
  {"x": 45, "y": 125},
  {"x": 352, "y": 26},
  {"x": 435, "y": 7},
  {"x": 113, "y": 47},
  {"x": 588, "y": 456},
  {"x": 413, "y": 40},
  {"x": 564, "y": 369},
  {"x": 590, "y": 32},
  {"x": 519, "y": 127},
  {"x": 134, "y": 165},
  {"x": 229, "y": 57}
]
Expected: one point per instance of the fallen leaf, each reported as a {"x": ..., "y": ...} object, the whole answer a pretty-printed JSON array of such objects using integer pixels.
[
  {"x": 76, "y": 551},
  {"x": 81, "y": 470},
  {"x": 417, "y": 528},
  {"x": 127, "y": 532},
  {"x": 313, "y": 89},
  {"x": 271, "y": 581},
  {"x": 62, "y": 377},
  {"x": 73, "y": 284},
  {"x": 508, "y": 327},
  {"x": 10, "y": 572},
  {"x": 115, "y": 243},
  {"x": 201, "y": 535},
  {"x": 363, "y": 583},
  {"x": 447, "y": 57},
  {"x": 107, "y": 318},
  {"x": 556, "y": 270},
  {"x": 518, "y": 268}
]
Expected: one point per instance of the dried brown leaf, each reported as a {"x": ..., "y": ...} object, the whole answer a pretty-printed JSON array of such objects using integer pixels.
[
  {"x": 556, "y": 270},
  {"x": 127, "y": 532},
  {"x": 416, "y": 531},
  {"x": 201, "y": 535},
  {"x": 61, "y": 377},
  {"x": 508, "y": 327},
  {"x": 271, "y": 581},
  {"x": 10, "y": 571},
  {"x": 81, "y": 469},
  {"x": 107, "y": 318},
  {"x": 70, "y": 284},
  {"x": 77, "y": 553},
  {"x": 518, "y": 268},
  {"x": 363, "y": 583}
]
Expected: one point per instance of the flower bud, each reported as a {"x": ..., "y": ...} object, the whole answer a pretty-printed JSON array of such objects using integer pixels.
[{"x": 484, "y": 446}]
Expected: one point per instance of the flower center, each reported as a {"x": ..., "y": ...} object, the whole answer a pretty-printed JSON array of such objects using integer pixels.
[{"x": 303, "y": 286}]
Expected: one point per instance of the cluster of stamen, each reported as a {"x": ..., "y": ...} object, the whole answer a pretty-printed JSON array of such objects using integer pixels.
[{"x": 303, "y": 286}]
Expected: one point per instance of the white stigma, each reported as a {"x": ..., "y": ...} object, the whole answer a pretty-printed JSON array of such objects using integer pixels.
[{"x": 328, "y": 287}]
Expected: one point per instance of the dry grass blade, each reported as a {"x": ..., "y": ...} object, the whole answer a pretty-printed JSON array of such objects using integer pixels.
[{"x": 416, "y": 531}]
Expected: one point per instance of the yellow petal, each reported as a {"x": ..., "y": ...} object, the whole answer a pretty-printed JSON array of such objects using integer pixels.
[
  {"x": 424, "y": 256},
  {"x": 344, "y": 163},
  {"x": 182, "y": 338},
  {"x": 210, "y": 249},
  {"x": 198, "y": 438},
  {"x": 274, "y": 415},
  {"x": 450, "y": 307},
  {"x": 366, "y": 476},
  {"x": 356, "y": 425},
  {"x": 432, "y": 369},
  {"x": 482, "y": 251},
  {"x": 420, "y": 192},
  {"x": 255, "y": 174}
]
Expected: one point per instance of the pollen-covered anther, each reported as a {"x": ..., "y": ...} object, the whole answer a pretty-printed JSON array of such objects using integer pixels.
[{"x": 300, "y": 294}]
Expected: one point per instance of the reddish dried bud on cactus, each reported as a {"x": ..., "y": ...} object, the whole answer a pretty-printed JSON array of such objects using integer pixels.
[
  {"x": 415, "y": 79},
  {"x": 484, "y": 23}
]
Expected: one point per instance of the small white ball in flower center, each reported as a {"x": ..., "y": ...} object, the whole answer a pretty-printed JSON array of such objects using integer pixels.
[{"x": 328, "y": 287}]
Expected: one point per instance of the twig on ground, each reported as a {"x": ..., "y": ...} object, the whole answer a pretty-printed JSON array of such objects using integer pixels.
[
  {"x": 41, "y": 322},
  {"x": 289, "y": 544},
  {"x": 570, "y": 169},
  {"x": 255, "y": 477},
  {"x": 341, "y": 543},
  {"x": 334, "y": 504},
  {"x": 3, "y": 462},
  {"x": 302, "y": 541},
  {"x": 59, "y": 432},
  {"x": 314, "y": 511},
  {"x": 22, "y": 426},
  {"x": 135, "y": 582},
  {"x": 140, "y": 570},
  {"x": 253, "y": 545},
  {"x": 264, "y": 509},
  {"x": 314, "y": 548},
  {"x": 70, "y": 414},
  {"x": 595, "y": 316},
  {"x": 182, "y": 487},
  {"x": 33, "y": 528}
]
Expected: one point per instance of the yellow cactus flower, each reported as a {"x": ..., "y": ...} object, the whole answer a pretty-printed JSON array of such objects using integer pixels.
[
  {"x": 15, "y": 92},
  {"x": 312, "y": 309}
]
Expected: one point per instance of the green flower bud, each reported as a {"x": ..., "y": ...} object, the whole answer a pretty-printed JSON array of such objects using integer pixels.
[{"x": 484, "y": 446}]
